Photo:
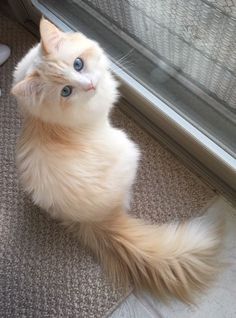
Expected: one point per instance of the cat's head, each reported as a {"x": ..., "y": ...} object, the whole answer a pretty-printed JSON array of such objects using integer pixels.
[{"x": 65, "y": 79}]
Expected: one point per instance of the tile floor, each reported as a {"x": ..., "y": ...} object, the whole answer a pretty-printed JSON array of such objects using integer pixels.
[{"x": 219, "y": 302}]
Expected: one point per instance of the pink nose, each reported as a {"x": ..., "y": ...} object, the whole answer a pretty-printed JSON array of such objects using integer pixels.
[{"x": 89, "y": 87}]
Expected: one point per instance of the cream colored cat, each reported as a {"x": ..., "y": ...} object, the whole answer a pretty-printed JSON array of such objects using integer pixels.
[{"x": 80, "y": 169}]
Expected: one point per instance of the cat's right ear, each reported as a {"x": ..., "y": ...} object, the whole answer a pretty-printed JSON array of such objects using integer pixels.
[
  {"x": 51, "y": 36},
  {"x": 29, "y": 87}
]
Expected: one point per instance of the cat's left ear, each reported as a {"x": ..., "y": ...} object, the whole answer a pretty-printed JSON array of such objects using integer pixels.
[
  {"x": 28, "y": 87},
  {"x": 51, "y": 36}
]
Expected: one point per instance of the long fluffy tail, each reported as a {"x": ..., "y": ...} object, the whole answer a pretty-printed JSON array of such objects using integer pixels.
[{"x": 168, "y": 260}]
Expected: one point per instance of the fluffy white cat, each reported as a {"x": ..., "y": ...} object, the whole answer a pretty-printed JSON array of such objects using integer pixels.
[{"x": 80, "y": 169}]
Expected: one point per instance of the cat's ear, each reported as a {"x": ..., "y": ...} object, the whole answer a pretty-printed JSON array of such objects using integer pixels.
[
  {"x": 51, "y": 36},
  {"x": 30, "y": 86}
]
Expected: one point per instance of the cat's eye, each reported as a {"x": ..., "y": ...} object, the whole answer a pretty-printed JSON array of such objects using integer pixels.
[
  {"x": 78, "y": 64},
  {"x": 66, "y": 91}
]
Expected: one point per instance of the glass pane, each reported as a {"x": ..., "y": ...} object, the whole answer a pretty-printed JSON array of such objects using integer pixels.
[{"x": 184, "y": 51}]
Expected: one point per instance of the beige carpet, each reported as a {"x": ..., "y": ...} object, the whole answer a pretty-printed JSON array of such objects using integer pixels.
[{"x": 44, "y": 272}]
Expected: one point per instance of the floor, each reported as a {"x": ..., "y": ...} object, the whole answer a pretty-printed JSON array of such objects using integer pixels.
[{"x": 219, "y": 302}]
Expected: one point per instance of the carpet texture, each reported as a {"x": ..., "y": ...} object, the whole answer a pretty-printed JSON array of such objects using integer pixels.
[{"x": 44, "y": 272}]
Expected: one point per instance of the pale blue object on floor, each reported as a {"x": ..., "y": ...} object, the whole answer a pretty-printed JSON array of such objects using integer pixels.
[{"x": 4, "y": 53}]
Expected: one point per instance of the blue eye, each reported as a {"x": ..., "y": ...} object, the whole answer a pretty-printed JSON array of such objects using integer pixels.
[
  {"x": 78, "y": 64},
  {"x": 66, "y": 91}
]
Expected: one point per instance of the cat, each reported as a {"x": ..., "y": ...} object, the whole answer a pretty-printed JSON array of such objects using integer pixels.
[{"x": 80, "y": 169}]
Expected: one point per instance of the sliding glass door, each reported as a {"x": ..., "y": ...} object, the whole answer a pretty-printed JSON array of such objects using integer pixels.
[{"x": 177, "y": 54}]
